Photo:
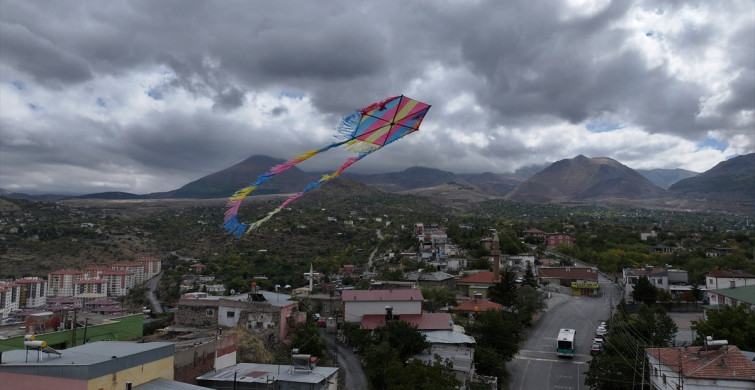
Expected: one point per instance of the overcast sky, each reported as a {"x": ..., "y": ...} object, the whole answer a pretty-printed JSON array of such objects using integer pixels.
[{"x": 146, "y": 96}]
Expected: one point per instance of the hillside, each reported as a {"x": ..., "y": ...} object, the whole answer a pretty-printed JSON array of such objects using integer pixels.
[
  {"x": 729, "y": 181},
  {"x": 223, "y": 183},
  {"x": 585, "y": 179}
]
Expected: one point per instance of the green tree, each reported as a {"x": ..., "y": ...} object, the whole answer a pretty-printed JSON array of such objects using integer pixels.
[
  {"x": 437, "y": 297},
  {"x": 417, "y": 375},
  {"x": 307, "y": 339},
  {"x": 504, "y": 292},
  {"x": 528, "y": 302},
  {"x": 733, "y": 323},
  {"x": 529, "y": 276},
  {"x": 644, "y": 291},
  {"x": 655, "y": 327},
  {"x": 497, "y": 335}
]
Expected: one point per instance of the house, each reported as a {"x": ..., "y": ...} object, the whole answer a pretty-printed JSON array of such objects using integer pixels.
[
  {"x": 672, "y": 280},
  {"x": 422, "y": 321},
  {"x": 699, "y": 368},
  {"x": 647, "y": 234},
  {"x": 534, "y": 233},
  {"x": 719, "y": 251},
  {"x": 583, "y": 281},
  {"x": 733, "y": 296},
  {"x": 553, "y": 240},
  {"x": 728, "y": 279},
  {"x": 478, "y": 283},
  {"x": 358, "y": 303},
  {"x": 661, "y": 249},
  {"x": 262, "y": 312},
  {"x": 476, "y": 305},
  {"x": 111, "y": 365},
  {"x": 431, "y": 279},
  {"x": 451, "y": 346}
]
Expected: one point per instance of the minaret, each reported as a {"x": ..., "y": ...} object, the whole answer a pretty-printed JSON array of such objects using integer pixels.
[
  {"x": 311, "y": 278},
  {"x": 496, "y": 252}
]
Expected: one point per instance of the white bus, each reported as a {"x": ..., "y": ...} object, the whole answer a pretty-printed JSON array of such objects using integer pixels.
[{"x": 565, "y": 342}]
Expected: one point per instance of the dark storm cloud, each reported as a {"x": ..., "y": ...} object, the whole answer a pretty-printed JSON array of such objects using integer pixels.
[
  {"x": 190, "y": 87},
  {"x": 40, "y": 58}
]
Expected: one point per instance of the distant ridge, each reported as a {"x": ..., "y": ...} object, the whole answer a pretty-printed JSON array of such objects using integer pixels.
[
  {"x": 664, "y": 178},
  {"x": 729, "y": 181},
  {"x": 585, "y": 179},
  {"x": 224, "y": 183}
]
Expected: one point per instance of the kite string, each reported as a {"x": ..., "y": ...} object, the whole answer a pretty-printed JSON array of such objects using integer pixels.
[
  {"x": 231, "y": 223},
  {"x": 350, "y": 161}
]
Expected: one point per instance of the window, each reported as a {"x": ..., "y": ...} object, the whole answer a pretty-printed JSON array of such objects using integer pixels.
[
  {"x": 664, "y": 378},
  {"x": 655, "y": 371},
  {"x": 210, "y": 313},
  {"x": 230, "y": 314}
]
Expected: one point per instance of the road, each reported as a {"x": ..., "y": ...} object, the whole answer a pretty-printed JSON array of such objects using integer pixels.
[
  {"x": 151, "y": 285},
  {"x": 537, "y": 366},
  {"x": 350, "y": 365}
]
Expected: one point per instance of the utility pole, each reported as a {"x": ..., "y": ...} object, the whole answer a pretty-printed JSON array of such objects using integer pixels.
[{"x": 73, "y": 327}]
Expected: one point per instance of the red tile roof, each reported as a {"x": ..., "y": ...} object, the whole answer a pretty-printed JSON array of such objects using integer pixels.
[
  {"x": 481, "y": 277},
  {"x": 424, "y": 321},
  {"x": 382, "y": 295},
  {"x": 477, "y": 305},
  {"x": 727, "y": 362},
  {"x": 729, "y": 274},
  {"x": 568, "y": 273}
]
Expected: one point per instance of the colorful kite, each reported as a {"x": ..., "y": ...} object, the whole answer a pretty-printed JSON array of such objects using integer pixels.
[{"x": 363, "y": 132}]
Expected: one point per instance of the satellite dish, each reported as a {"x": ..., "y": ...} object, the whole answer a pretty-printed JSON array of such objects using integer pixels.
[{"x": 232, "y": 291}]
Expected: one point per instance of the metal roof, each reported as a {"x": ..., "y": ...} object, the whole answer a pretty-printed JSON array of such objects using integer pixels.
[
  {"x": 167, "y": 384},
  {"x": 266, "y": 373},
  {"x": 742, "y": 293},
  {"x": 86, "y": 361},
  {"x": 447, "y": 337}
]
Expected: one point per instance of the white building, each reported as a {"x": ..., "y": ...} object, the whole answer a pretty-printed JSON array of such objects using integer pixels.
[
  {"x": 150, "y": 267},
  {"x": 60, "y": 283},
  {"x": 32, "y": 292},
  {"x": 135, "y": 267},
  {"x": 728, "y": 279},
  {"x": 90, "y": 287},
  {"x": 10, "y": 297},
  {"x": 119, "y": 282}
]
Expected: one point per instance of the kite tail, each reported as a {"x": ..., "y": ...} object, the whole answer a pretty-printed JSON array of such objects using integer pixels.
[
  {"x": 308, "y": 188},
  {"x": 231, "y": 223}
]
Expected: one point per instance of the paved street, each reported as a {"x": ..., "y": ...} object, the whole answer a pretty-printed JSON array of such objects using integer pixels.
[
  {"x": 350, "y": 365},
  {"x": 537, "y": 366}
]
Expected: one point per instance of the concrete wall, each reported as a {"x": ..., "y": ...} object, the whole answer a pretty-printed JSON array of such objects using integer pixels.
[
  {"x": 192, "y": 362},
  {"x": 121, "y": 329}
]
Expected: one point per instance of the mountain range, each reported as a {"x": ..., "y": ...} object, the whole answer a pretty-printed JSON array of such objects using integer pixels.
[{"x": 579, "y": 179}]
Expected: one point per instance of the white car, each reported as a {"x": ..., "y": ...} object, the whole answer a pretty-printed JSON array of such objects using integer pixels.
[
  {"x": 601, "y": 331},
  {"x": 598, "y": 341}
]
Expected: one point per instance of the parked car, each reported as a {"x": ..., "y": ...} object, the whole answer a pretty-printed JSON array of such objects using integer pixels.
[
  {"x": 601, "y": 331},
  {"x": 596, "y": 349},
  {"x": 598, "y": 340},
  {"x": 321, "y": 322}
]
